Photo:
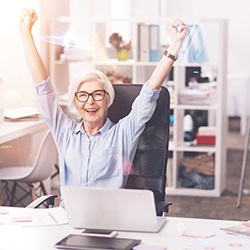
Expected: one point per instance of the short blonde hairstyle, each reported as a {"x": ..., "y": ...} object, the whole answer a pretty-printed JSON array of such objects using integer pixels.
[{"x": 86, "y": 76}]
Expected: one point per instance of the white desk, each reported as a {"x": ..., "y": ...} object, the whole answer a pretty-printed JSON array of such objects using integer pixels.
[
  {"x": 44, "y": 237},
  {"x": 13, "y": 130},
  {"x": 21, "y": 139}
]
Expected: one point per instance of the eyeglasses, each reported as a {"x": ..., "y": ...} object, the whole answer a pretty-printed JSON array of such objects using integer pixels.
[{"x": 97, "y": 95}]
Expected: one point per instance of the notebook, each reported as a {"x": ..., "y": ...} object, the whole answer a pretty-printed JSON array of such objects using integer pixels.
[{"x": 116, "y": 209}]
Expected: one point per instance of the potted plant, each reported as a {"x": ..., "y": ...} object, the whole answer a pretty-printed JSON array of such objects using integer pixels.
[{"x": 122, "y": 48}]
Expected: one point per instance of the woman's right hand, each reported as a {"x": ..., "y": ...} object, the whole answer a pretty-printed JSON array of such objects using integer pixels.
[
  {"x": 27, "y": 20},
  {"x": 33, "y": 58}
]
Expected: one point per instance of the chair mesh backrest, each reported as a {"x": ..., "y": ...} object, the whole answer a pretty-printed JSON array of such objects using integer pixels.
[{"x": 149, "y": 171}]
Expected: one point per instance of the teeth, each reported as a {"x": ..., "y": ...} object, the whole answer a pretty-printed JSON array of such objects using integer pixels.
[{"x": 91, "y": 110}]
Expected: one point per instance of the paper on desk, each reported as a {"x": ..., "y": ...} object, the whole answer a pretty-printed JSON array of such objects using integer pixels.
[
  {"x": 143, "y": 246},
  {"x": 21, "y": 112},
  {"x": 197, "y": 233},
  {"x": 3, "y": 211},
  {"x": 34, "y": 217},
  {"x": 242, "y": 229}
]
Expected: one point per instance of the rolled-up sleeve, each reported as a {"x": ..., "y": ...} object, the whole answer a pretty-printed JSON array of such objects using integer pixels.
[
  {"x": 51, "y": 112},
  {"x": 44, "y": 87},
  {"x": 150, "y": 94}
]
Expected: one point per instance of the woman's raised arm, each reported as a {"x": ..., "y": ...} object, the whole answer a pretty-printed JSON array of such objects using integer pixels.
[
  {"x": 33, "y": 58},
  {"x": 178, "y": 32}
]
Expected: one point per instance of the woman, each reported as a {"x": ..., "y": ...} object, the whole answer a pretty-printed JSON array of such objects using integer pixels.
[{"x": 94, "y": 151}]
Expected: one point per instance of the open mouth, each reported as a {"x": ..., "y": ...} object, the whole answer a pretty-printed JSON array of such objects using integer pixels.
[{"x": 91, "y": 111}]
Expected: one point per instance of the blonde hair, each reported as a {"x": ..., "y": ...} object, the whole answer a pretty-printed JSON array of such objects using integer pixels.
[{"x": 86, "y": 76}]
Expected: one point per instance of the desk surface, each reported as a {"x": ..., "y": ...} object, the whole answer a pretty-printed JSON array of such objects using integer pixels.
[
  {"x": 13, "y": 130},
  {"x": 44, "y": 237}
]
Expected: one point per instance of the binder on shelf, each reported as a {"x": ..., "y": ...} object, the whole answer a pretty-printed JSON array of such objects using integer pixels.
[
  {"x": 154, "y": 43},
  {"x": 143, "y": 42}
]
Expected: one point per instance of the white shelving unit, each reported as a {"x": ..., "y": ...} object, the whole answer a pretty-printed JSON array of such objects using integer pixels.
[
  {"x": 216, "y": 117},
  {"x": 98, "y": 30}
]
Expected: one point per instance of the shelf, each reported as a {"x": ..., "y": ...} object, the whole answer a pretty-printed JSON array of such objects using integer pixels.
[
  {"x": 149, "y": 64},
  {"x": 184, "y": 147},
  {"x": 59, "y": 62},
  {"x": 128, "y": 62},
  {"x": 192, "y": 192},
  {"x": 195, "y": 107},
  {"x": 109, "y": 62}
]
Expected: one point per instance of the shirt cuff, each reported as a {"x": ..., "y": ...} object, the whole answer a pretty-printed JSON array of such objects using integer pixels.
[
  {"x": 44, "y": 87},
  {"x": 152, "y": 94}
]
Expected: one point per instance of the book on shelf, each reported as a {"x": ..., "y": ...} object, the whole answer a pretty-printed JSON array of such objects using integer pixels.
[
  {"x": 154, "y": 43},
  {"x": 149, "y": 46},
  {"x": 143, "y": 42}
]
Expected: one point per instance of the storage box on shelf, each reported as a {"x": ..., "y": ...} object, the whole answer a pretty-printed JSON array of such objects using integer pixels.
[{"x": 206, "y": 135}]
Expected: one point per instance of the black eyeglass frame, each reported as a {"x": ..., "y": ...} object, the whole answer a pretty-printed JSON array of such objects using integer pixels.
[{"x": 90, "y": 94}]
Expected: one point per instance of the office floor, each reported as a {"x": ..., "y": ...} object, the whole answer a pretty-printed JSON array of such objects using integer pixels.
[{"x": 223, "y": 207}]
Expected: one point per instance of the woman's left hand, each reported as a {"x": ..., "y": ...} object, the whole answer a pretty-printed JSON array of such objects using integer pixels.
[{"x": 178, "y": 30}]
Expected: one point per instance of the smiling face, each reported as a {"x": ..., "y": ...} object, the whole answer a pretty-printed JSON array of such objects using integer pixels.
[{"x": 93, "y": 112}]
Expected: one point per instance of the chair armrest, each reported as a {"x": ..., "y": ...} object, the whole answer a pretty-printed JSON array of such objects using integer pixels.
[
  {"x": 37, "y": 202},
  {"x": 162, "y": 207}
]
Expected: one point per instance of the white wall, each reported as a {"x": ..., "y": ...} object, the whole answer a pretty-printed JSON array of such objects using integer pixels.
[
  {"x": 50, "y": 9},
  {"x": 18, "y": 84},
  {"x": 13, "y": 68}
]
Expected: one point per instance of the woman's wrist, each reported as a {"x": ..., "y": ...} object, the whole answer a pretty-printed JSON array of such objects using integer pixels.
[
  {"x": 25, "y": 32},
  {"x": 169, "y": 55},
  {"x": 174, "y": 48}
]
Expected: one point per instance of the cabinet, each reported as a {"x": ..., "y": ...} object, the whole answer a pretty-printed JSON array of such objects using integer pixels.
[{"x": 96, "y": 31}]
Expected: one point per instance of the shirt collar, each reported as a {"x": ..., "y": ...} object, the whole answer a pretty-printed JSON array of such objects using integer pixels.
[
  {"x": 79, "y": 128},
  {"x": 103, "y": 130}
]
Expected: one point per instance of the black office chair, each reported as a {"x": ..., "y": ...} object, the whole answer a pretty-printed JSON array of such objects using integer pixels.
[{"x": 150, "y": 162}]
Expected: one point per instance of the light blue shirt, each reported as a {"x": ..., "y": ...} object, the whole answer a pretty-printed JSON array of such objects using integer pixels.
[{"x": 106, "y": 157}]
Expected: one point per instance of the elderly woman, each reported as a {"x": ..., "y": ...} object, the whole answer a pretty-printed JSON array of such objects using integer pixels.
[{"x": 94, "y": 151}]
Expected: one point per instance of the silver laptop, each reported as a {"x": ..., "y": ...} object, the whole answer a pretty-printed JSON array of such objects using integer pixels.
[{"x": 116, "y": 209}]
